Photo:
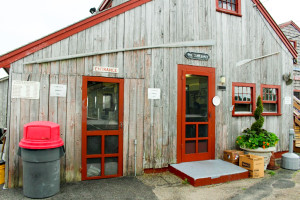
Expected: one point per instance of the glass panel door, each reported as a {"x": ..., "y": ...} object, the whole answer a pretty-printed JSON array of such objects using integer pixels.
[
  {"x": 196, "y": 89},
  {"x": 196, "y": 115},
  {"x": 102, "y": 127}
]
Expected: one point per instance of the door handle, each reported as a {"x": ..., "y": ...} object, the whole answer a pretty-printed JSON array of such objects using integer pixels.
[{"x": 121, "y": 124}]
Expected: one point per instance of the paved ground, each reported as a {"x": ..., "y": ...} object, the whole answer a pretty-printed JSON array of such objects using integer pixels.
[{"x": 284, "y": 184}]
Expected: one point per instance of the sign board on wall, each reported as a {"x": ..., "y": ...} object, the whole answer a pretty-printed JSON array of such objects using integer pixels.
[
  {"x": 197, "y": 56},
  {"x": 106, "y": 69},
  {"x": 153, "y": 93},
  {"x": 58, "y": 90},
  {"x": 25, "y": 90},
  {"x": 288, "y": 100}
]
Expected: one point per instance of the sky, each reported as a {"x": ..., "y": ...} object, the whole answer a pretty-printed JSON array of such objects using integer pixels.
[{"x": 24, "y": 21}]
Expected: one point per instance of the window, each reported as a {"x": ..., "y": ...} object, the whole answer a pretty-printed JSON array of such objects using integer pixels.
[
  {"x": 243, "y": 99},
  {"x": 270, "y": 96},
  {"x": 232, "y": 7},
  {"x": 294, "y": 43},
  {"x": 297, "y": 94}
]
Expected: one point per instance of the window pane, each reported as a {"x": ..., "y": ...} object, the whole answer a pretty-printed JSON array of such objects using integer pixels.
[
  {"x": 233, "y": 7},
  {"x": 202, "y": 146},
  {"x": 270, "y": 107},
  {"x": 190, "y": 147},
  {"x": 102, "y": 106},
  {"x": 93, "y": 167},
  {"x": 196, "y": 98},
  {"x": 93, "y": 145},
  {"x": 111, "y": 166},
  {"x": 243, "y": 107},
  {"x": 202, "y": 130},
  {"x": 111, "y": 144},
  {"x": 190, "y": 131}
]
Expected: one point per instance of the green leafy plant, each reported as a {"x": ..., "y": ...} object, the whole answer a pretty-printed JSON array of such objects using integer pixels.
[{"x": 255, "y": 136}]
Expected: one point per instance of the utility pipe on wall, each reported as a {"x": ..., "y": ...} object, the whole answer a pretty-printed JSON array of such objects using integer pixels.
[{"x": 135, "y": 143}]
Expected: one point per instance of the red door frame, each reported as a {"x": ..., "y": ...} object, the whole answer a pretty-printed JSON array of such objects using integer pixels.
[
  {"x": 86, "y": 133},
  {"x": 181, "y": 102}
]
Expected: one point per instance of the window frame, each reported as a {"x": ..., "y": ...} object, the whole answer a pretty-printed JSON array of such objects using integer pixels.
[
  {"x": 253, "y": 99},
  {"x": 278, "y": 87},
  {"x": 238, "y": 11},
  {"x": 294, "y": 43}
]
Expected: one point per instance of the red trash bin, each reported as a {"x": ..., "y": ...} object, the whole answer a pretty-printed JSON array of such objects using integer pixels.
[{"x": 41, "y": 149}]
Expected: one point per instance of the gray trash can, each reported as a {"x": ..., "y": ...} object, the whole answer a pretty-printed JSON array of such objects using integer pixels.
[{"x": 41, "y": 149}]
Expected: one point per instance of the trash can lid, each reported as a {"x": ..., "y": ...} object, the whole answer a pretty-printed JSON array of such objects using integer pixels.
[{"x": 41, "y": 135}]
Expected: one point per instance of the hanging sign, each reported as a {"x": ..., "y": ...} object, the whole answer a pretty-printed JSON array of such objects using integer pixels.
[
  {"x": 153, "y": 93},
  {"x": 57, "y": 90},
  {"x": 25, "y": 90},
  {"x": 106, "y": 69},
  {"x": 197, "y": 56}
]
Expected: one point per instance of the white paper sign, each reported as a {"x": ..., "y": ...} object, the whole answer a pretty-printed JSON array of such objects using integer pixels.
[
  {"x": 153, "y": 93},
  {"x": 25, "y": 90},
  {"x": 287, "y": 100},
  {"x": 106, "y": 69},
  {"x": 57, "y": 90}
]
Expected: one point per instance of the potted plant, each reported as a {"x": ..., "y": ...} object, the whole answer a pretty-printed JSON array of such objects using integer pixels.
[{"x": 256, "y": 140}]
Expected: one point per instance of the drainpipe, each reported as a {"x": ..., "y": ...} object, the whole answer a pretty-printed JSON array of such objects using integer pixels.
[{"x": 135, "y": 143}]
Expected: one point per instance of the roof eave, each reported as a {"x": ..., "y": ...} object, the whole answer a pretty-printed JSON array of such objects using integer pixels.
[{"x": 276, "y": 28}]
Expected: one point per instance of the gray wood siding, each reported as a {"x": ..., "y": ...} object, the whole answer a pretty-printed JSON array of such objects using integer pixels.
[
  {"x": 3, "y": 103},
  {"x": 153, "y": 122}
]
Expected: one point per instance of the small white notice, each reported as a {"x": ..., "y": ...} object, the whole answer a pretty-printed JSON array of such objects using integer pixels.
[
  {"x": 287, "y": 100},
  {"x": 25, "y": 90},
  {"x": 153, "y": 93},
  {"x": 106, "y": 69},
  {"x": 58, "y": 90}
]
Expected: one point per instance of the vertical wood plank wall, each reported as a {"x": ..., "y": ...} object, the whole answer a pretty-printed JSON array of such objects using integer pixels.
[
  {"x": 3, "y": 103},
  {"x": 153, "y": 123}
]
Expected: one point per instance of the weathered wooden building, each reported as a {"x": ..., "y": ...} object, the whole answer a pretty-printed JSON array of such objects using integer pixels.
[
  {"x": 143, "y": 75},
  {"x": 292, "y": 32}
]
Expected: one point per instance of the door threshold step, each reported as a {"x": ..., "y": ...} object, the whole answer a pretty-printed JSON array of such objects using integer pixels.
[{"x": 208, "y": 172}]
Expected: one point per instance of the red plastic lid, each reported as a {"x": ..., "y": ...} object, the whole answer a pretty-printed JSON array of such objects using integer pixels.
[{"x": 41, "y": 135}]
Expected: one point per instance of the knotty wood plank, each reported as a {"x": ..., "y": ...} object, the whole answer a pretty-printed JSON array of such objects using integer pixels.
[
  {"x": 78, "y": 129},
  {"x": 53, "y": 101},
  {"x": 14, "y": 138},
  {"x": 44, "y": 97},
  {"x": 70, "y": 128},
  {"x": 62, "y": 120},
  {"x": 126, "y": 126}
]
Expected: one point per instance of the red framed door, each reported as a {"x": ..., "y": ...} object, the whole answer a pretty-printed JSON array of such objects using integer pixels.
[
  {"x": 196, "y": 113},
  {"x": 102, "y": 127}
]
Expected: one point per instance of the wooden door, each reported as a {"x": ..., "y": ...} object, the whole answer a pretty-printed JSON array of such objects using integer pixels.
[
  {"x": 102, "y": 127},
  {"x": 196, "y": 113}
]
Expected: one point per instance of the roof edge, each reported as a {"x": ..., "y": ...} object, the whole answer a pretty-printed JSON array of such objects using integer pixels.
[
  {"x": 275, "y": 27},
  {"x": 283, "y": 25},
  {"x": 105, "y": 4},
  {"x": 8, "y": 58}
]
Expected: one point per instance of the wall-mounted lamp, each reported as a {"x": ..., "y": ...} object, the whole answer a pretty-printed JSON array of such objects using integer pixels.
[{"x": 222, "y": 80}]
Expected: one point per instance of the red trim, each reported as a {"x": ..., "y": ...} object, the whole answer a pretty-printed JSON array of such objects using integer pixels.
[
  {"x": 202, "y": 71},
  {"x": 290, "y": 23},
  {"x": 7, "y": 59},
  {"x": 238, "y": 12},
  {"x": 294, "y": 43},
  {"x": 209, "y": 181},
  {"x": 253, "y": 101},
  {"x": 86, "y": 133},
  {"x": 275, "y": 27},
  {"x": 155, "y": 171},
  {"x": 296, "y": 90},
  {"x": 278, "y": 102}
]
